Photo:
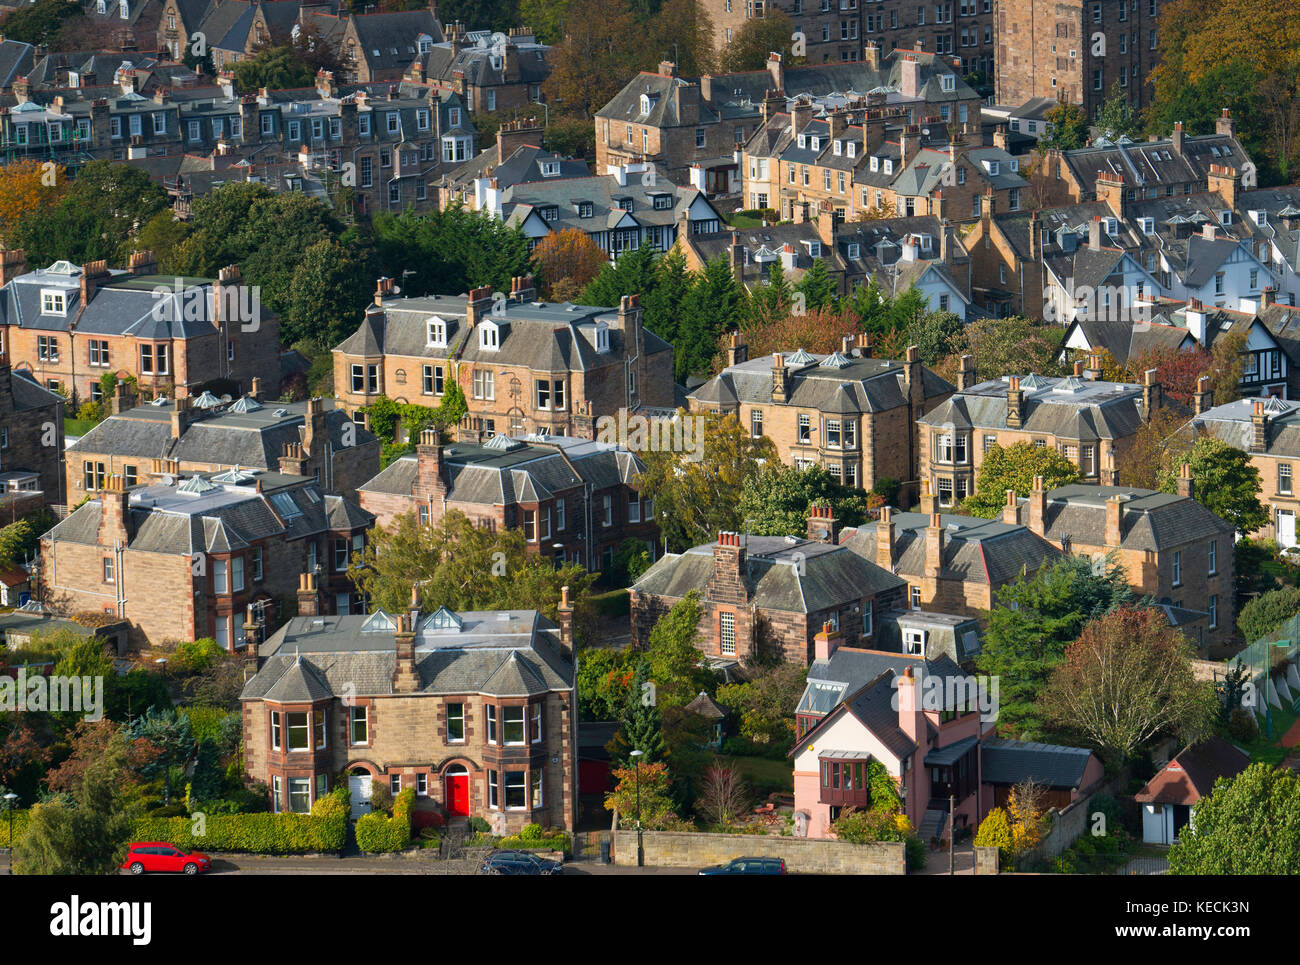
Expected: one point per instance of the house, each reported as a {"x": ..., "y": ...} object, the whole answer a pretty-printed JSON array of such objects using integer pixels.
[
  {"x": 380, "y": 46},
  {"x": 1065, "y": 774},
  {"x": 15, "y": 586},
  {"x": 148, "y": 443},
  {"x": 930, "y": 634},
  {"x": 31, "y": 441},
  {"x": 1090, "y": 421},
  {"x": 953, "y": 564},
  {"x": 517, "y": 157},
  {"x": 708, "y": 709},
  {"x": 218, "y": 552},
  {"x": 16, "y": 60},
  {"x": 849, "y": 412},
  {"x": 575, "y": 500},
  {"x": 524, "y": 366},
  {"x": 131, "y": 24},
  {"x": 69, "y": 326},
  {"x": 1171, "y": 547},
  {"x": 1169, "y": 799},
  {"x": 930, "y": 726},
  {"x": 1268, "y": 431},
  {"x": 768, "y": 595},
  {"x": 32, "y": 620},
  {"x": 474, "y": 711},
  {"x": 490, "y": 71}
]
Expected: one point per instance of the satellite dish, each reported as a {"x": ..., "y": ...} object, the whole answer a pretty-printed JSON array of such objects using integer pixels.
[{"x": 925, "y": 131}]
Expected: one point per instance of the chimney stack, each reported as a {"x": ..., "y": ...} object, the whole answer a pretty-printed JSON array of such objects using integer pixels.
[
  {"x": 12, "y": 264},
  {"x": 1038, "y": 507},
  {"x": 1151, "y": 394},
  {"x": 929, "y": 501},
  {"x": 823, "y": 525},
  {"x": 182, "y": 416},
  {"x": 885, "y": 539},
  {"x": 934, "y": 547},
  {"x": 406, "y": 679},
  {"x": 142, "y": 263},
  {"x": 114, "y": 512},
  {"x": 1011, "y": 509},
  {"x": 1094, "y": 370},
  {"x": 1186, "y": 485},
  {"x": 479, "y": 305},
  {"x": 780, "y": 378},
  {"x": 737, "y": 350},
  {"x": 430, "y": 485},
  {"x": 1203, "y": 400},
  {"x": 1259, "y": 427},
  {"x": 966, "y": 372},
  {"x": 826, "y": 642},
  {"x": 1114, "y": 518},
  {"x": 564, "y": 617},
  {"x": 1015, "y": 403},
  {"x": 308, "y": 599},
  {"x": 93, "y": 274}
]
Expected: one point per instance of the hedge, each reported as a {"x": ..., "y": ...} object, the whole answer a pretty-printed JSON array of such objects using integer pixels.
[
  {"x": 376, "y": 832},
  {"x": 21, "y": 820},
  {"x": 254, "y": 833}
]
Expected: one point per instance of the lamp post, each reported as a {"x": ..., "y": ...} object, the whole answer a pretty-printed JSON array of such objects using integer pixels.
[
  {"x": 640, "y": 848},
  {"x": 9, "y": 806}
]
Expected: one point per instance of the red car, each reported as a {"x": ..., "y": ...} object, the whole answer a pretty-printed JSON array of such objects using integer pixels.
[{"x": 161, "y": 856}]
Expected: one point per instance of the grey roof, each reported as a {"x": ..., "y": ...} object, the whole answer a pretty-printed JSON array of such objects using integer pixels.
[
  {"x": 950, "y": 754},
  {"x": 1068, "y": 408},
  {"x": 1232, "y": 423},
  {"x": 16, "y": 60},
  {"x": 1005, "y": 761},
  {"x": 781, "y": 573},
  {"x": 480, "y": 66},
  {"x": 1148, "y": 520},
  {"x": 387, "y": 40},
  {"x": 1156, "y": 163},
  {"x": 507, "y": 653}
]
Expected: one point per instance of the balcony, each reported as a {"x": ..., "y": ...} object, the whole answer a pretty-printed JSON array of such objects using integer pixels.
[{"x": 844, "y": 779}]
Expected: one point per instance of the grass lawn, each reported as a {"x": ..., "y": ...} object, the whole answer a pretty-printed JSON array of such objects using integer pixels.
[
  {"x": 614, "y": 603},
  {"x": 743, "y": 221},
  {"x": 1270, "y": 750},
  {"x": 77, "y": 427},
  {"x": 764, "y": 775}
]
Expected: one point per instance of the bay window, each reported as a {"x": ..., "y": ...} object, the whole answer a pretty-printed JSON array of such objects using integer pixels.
[
  {"x": 299, "y": 731},
  {"x": 513, "y": 724}
]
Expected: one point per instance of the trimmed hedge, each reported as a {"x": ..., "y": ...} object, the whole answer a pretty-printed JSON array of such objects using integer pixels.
[
  {"x": 253, "y": 833},
  {"x": 376, "y": 832},
  {"x": 533, "y": 837}
]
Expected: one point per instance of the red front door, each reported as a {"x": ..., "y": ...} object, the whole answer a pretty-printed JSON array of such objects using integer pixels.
[{"x": 458, "y": 795}]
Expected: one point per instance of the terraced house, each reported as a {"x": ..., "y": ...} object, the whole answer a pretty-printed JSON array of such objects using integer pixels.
[
  {"x": 152, "y": 442},
  {"x": 574, "y": 500},
  {"x": 70, "y": 326},
  {"x": 212, "y": 555},
  {"x": 851, "y": 413},
  {"x": 490, "y": 72},
  {"x": 474, "y": 711},
  {"x": 31, "y": 443},
  {"x": 524, "y": 366}
]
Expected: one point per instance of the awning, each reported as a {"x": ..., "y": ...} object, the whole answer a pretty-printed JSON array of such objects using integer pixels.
[{"x": 947, "y": 756}]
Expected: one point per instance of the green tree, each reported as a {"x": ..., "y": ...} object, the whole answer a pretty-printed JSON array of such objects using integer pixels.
[
  {"x": 208, "y": 781},
  {"x": 934, "y": 334},
  {"x": 632, "y": 274},
  {"x": 817, "y": 287},
  {"x": 1008, "y": 346},
  {"x": 663, "y": 304},
  {"x": 775, "y": 501},
  {"x": 1249, "y": 825},
  {"x": 765, "y": 703},
  {"x": 39, "y": 23},
  {"x": 327, "y": 295},
  {"x": 1032, "y": 622},
  {"x": 1268, "y": 611},
  {"x": 1015, "y": 467},
  {"x": 1069, "y": 127},
  {"x": 1117, "y": 118},
  {"x": 1227, "y": 484},
  {"x": 451, "y": 251},
  {"x": 642, "y": 725},
  {"x": 275, "y": 68},
  {"x": 712, "y": 306},
  {"x": 172, "y": 739},
  {"x": 759, "y": 36},
  {"x": 671, "y": 657}
]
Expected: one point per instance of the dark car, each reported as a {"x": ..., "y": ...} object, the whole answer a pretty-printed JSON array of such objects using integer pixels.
[
  {"x": 163, "y": 856},
  {"x": 748, "y": 866},
  {"x": 518, "y": 863}
]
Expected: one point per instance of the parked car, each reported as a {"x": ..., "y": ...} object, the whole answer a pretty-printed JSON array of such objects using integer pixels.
[
  {"x": 163, "y": 856},
  {"x": 748, "y": 866},
  {"x": 518, "y": 863}
]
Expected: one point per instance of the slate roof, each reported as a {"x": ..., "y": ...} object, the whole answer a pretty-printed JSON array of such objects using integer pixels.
[
  {"x": 1066, "y": 407},
  {"x": 28, "y": 395},
  {"x": 16, "y": 59},
  {"x": 508, "y": 653},
  {"x": 1148, "y": 520},
  {"x": 1151, "y": 163},
  {"x": 865, "y": 385},
  {"x": 787, "y": 245},
  {"x": 1232, "y": 423},
  {"x": 474, "y": 63},
  {"x": 1190, "y": 776},
  {"x": 1004, "y": 761},
  {"x": 781, "y": 573},
  {"x": 387, "y": 40}
]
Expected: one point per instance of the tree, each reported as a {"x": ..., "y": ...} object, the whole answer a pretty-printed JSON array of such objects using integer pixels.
[
  {"x": 713, "y": 305},
  {"x": 776, "y": 500},
  {"x": 653, "y": 801},
  {"x": 1127, "y": 679},
  {"x": 24, "y": 189},
  {"x": 1117, "y": 118},
  {"x": 568, "y": 261},
  {"x": 1249, "y": 825},
  {"x": 662, "y": 305},
  {"x": 1068, "y": 127},
  {"x": 1014, "y": 467},
  {"x": 449, "y": 251},
  {"x": 1007, "y": 346},
  {"x": 816, "y": 286},
  {"x": 671, "y": 656},
  {"x": 327, "y": 294},
  {"x": 1227, "y": 484},
  {"x": 1155, "y": 445},
  {"x": 642, "y": 725},
  {"x": 40, "y": 22},
  {"x": 995, "y": 832},
  {"x": 208, "y": 781},
  {"x": 819, "y": 330},
  {"x": 766, "y": 701},
  {"x": 172, "y": 740},
  {"x": 87, "y": 836},
  {"x": 589, "y": 66},
  {"x": 934, "y": 334},
  {"x": 1268, "y": 611},
  {"x": 723, "y": 794},
  {"x": 161, "y": 234},
  {"x": 695, "y": 493},
  {"x": 275, "y": 68},
  {"x": 1025, "y": 807},
  {"x": 604, "y": 678},
  {"x": 462, "y": 566},
  {"x": 1032, "y": 622},
  {"x": 633, "y": 273},
  {"x": 757, "y": 38}
]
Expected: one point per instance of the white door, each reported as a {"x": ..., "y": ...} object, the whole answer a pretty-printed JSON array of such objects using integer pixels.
[
  {"x": 1285, "y": 528},
  {"x": 359, "y": 786}
]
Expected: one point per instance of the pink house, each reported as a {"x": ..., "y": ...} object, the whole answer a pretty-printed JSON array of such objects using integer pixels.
[{"x": 928, "y": 722}]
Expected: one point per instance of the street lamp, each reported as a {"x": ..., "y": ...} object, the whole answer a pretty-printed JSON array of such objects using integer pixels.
[
  {"x": 9, "y": 806},
  {"x": 640, "y": 847}
]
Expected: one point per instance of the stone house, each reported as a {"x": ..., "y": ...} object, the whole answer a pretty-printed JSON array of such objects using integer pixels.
[
  {"x": 214, "y": 555},
  {"x": 487, "y": 75},
  {"x": 575, "y": 500},
  {"x": 475, "y": 712},
  {"x": 31, "y": 441}
]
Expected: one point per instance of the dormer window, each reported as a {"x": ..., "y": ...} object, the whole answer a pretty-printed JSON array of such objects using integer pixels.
[
  {"x": 1148, "y": 226},
  {"x": 853, "y": 148},
  {"x": 550, "y": 213},
  {"x": 803, "y": 141},
  {"x": 1015, "y": 164},
  {"x": 1112, "y": 226},
  {"x": 948, "y": 82},
  {"x": 54, "y": 302},
  {"x": 814, "y": 143},
  {"x": 914, "y": 642},
  {"x": 551, "y": 169},
  {"x": 889, "y": 166},
  {"x": 602, "y": 337},
  {"x": 875, "y": 164},
  {"x": 662, "y": 202},
  {"x": 437, "y": 332},
  {"x": 584, "y": 209},
  {"x": 838, "y": 147},
  {"x": 489, "y": 336},
  {"x": 124, "y": 10},
  {"x": 993, "y": 167},
  {"x": 815, "y": 249},
  {"x": 854, "y": 250},
  {"x": 1225, "y": 217}
]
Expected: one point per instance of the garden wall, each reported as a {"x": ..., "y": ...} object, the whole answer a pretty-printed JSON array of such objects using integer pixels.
[
  {"x": 1074, "y": 820},
  {"x": 685, "y": 849}
]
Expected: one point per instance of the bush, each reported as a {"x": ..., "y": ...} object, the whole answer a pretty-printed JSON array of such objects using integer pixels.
[
  {"x": 995, "y": 832},
  {"x": 21, "y": 820},
  {"x": 479, "y": 825},
  {"x": 377, "y": 833},
  {"x": 174, "y": 810},
  {"x": 1264, "y": 614},
  {"x": 916, "y": 852},
  {"x": 251, "y": 833},
  {"x": 1242, "y": 725},
  {"x": 195, "y": 656},
  {"x": 381, "y": 797}
]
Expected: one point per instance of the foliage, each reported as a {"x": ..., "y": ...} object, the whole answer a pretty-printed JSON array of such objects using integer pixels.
[
  {"x": 208, "y": 781},
  {"x": 1156, "y": 445},
  {"x": 773, "y": 326},
  {"x": 597, "y": 53},
  {"x": 275, "y": 68},
  {"x": 1126, "y": 680},
  {"x": 327, "y": 294},
  {"x": 1247, "y": 825},
  {"x": 883, "y": 788},
  {"x": 642, "y": 725},
  {"x": 1069, "y": 127},
  {"x": 1032, "y": 622},
  {"x": 194, "y": 656},
  {"x": 1264, "y": 614},
  {"x": 1227, "y": 483},
  {"x": 604, "y": 676},
  {"x": 1014, "y": 467},
  {"x": 268, "y": 833},
  {"x": 568, "y": 261},
  {"x": 751, "y": 44},
  {"x": 378, "y": 833},
  {"x": 765, "y": 703},
  {"x": 695, "y": 498},
  {"x": 863, "y": 826},
  {"x": 995, "y": 832},
  {"x": 381, "y": 797},
  {"x": 1117, "y": 118},
  {"x": 656, "y": 808},
  {"x": 1243, "y": 726},
  {"x": 450, "y": 251},
  {"x": 1007, "y": 346},
  {"x": 172, "y": 739},
  {"x": 711, "y": 306},
  {"x": 40, "y": 22},
  {"x": 23, "y": 190},
  {"x": 1025, "y": 813},
  {"x": 776, "y": 501},
  {"x": 19, "y": 539},
  {"x": 630, "y": 561}
]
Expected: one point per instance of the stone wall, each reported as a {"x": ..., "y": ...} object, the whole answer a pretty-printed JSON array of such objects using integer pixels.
[{"x": 685, "y": 849}]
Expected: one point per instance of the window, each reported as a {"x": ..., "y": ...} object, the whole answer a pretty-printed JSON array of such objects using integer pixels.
[
  {"x": 300, "y": 795},
  {"x": 220, "y": 577},
  {"x": 321, "y": 728},
  {"x": 491, "y": 723},
  {"x": 868, "y": 618},
  {"x": 99, "y": 351},
  {"x": 1214, "y": 611},
  {"x": 455, "y": 722},
  {"x": 237, "y": 573},
  {"x": 275, "y": 732},
  {"x": 299, "y": 731},
  {"x": 1212, "y": 557},
  {"x": 95, "y": 475},
  {"x": 537, "y": 788},
  {"x": 1178, "y": 568},
  {"x": 395, "y": 784},
  {"x": 422, "y": 785},
  {"x": 257, "y": 564},
  {"x": 493, "y": 801},
  {"x": 535, "y": 723},
  {"x": 916, "y": 597},
  {"x": 358, "y": 725},
  {"x": 1284, "y": 478},
  {"x": 805, "y": 430},
  {"x": 47, "y": 348},
  {"x": 559, "y": 516},
  {"x": 516, "y": 790},
  {"x": 727, "y": 634},
  {"x": 108, "y": 569}
]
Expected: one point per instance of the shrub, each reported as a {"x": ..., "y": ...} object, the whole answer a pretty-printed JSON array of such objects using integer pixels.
[
  {"x": 863, "y": 827},
  {"x": 195, "y": 656},
  {"x": 532, "y": 836},
  {"x": 479, "y": 825},
  {"x": 1242, "y": 725},
  {"x": 174, "y": 810},
  {"x": 333, "y": 806},
  {"x": 252, "y": 833},
  {"x": 1063, "y": 865},
  {"x": 21, "y": 820},
  {"x": 377, "y": 833},
  {"x": 381, "y": 798},
  {"x": 916, "y": 853},
  {"x": 995, "y": 832}
]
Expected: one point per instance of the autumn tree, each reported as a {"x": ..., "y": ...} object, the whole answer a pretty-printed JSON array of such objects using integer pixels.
[
  {"x": 27, "y": 187},
  {"x": 645, "y": 790},
  {"x": 820, "y": 331},
  {"x": 1007, "y": 346},
  {"x": 1014, "y": 467},
  {"x": 695, "y": 493},
  {"x": 568, "y": 261},
  {"x": 1126, "y": 680},
  {"x": 591, "y": 64},
  {"x": 757, "y": 38},
  {"x": 1153, "y": 447},
  {"x": 1068, "y": 127}
]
